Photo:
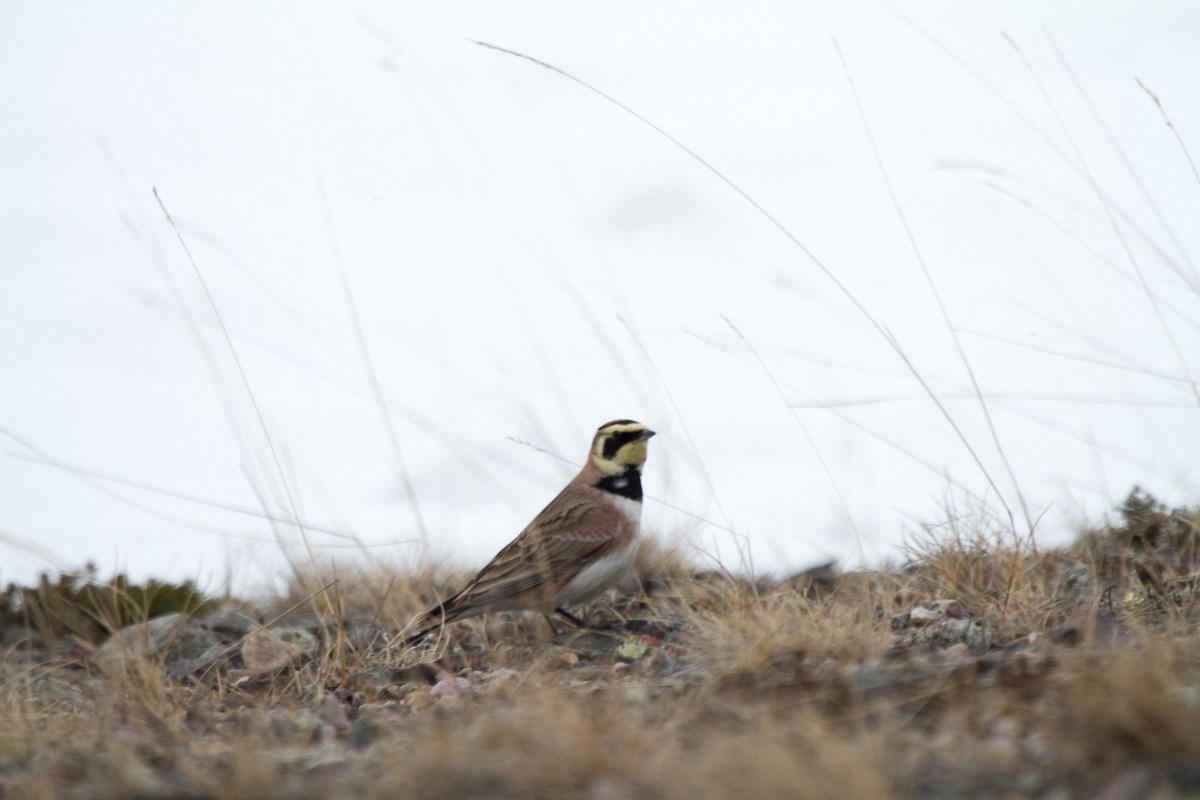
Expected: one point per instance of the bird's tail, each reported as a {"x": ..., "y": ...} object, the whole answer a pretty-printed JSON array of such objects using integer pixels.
[{"x": 432, "y": 620}]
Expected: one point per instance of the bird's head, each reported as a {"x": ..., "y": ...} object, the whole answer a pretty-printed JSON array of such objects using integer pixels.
[{"x": 620, "y": 446}]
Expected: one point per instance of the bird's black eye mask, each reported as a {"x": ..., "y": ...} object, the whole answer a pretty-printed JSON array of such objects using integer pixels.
[{"x": 618, "y": 439}]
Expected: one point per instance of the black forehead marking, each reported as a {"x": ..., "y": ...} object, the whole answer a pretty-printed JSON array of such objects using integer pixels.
[
  {"x": 617, "y": 422},
  {"x": 618, "y": 439}
]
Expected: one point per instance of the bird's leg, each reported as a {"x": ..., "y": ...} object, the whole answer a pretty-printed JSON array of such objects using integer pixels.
[
  {"x": 569, "y": 617},
  {"x": 583, "y": 625}
]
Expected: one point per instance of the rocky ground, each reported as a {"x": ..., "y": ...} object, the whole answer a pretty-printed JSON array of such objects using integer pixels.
[{"x": 980, "y": 667}]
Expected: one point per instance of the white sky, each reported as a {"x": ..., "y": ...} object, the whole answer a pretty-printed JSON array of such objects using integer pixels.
[{"x": 528, "y": 261}]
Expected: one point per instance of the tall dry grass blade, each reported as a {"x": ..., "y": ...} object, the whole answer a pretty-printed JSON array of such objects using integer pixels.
[
  {"x": 372, "y": 374},
  {"x": 837, "y": 490},
  {"x": 245, "y": 381},
  {"x": 825, "y": 270},
  {"x": 1102, "y": 198},
  {"x": 1187, "y": 154},
  {"x": 937, "y": 296}
]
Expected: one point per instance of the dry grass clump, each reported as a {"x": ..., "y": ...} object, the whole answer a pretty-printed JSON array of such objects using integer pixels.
[
  {"x": 980, "y": 667},
  {"x": 1150, "y": 555},
  {"x": 88, "y": 608}
]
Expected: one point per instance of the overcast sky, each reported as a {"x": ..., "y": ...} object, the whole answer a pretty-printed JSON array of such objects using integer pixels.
[{"x": 440, "y": 267}]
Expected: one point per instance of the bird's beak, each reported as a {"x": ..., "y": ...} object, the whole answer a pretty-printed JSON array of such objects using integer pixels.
[{"x": 646, "y": 434}]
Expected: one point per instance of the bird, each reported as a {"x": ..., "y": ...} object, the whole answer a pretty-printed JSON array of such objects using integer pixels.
[{"x": 579, "y": 546}]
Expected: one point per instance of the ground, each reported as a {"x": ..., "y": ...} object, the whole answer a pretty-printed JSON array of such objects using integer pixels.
[{"x": 978, "y": 666}]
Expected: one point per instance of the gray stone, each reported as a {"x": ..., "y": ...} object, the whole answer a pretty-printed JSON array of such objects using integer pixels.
[{"x": 169, "y": 639}]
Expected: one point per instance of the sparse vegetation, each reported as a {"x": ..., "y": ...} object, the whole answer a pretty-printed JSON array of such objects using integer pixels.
[
  {"x": 979, "y": 667},
  {"x": 83, "y": 606}
]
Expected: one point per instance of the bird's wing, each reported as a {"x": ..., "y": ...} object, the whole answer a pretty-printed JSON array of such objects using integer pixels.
[{"x": 563, "y": 538}]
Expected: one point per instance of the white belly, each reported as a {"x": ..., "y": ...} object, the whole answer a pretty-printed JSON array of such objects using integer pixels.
[
  {"x": 632, "y": 509},
  {"x": 597, "y": 577}
]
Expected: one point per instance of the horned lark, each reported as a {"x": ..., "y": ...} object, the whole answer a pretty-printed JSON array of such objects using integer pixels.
[{"x": 579, "y": 546}]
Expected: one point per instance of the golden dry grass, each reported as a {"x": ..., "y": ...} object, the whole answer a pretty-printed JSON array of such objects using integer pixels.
[{"x": 980, "y": 668}]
